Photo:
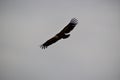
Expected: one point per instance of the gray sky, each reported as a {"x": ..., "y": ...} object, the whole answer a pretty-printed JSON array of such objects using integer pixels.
[{"x": 91, "y": 53}]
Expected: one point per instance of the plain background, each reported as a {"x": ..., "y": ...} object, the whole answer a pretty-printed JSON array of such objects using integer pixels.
[{"x": 91, "y": 53}]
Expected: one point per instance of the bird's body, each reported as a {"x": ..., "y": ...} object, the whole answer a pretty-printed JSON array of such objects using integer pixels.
[{"x": 63, "y": 34}]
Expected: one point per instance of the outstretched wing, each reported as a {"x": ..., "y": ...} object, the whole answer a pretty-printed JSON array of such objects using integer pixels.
[
  {"x": 50, "y": 41},
  {"x": 70, "y": 26},
  {"x": 61, "y": 34}
]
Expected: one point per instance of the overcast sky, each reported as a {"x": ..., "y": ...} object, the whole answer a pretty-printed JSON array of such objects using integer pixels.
[{"x": 92, "y": 52}]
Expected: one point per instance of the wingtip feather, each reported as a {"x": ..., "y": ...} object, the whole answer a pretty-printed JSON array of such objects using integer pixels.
[{"x": 43, "y": 47}]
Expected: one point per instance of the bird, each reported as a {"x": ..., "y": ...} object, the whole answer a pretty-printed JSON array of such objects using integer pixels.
[{"x": 63, "y": 34}]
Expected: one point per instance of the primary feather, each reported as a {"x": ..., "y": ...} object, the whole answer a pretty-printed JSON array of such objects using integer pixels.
[{"x": 62, "y": 34}]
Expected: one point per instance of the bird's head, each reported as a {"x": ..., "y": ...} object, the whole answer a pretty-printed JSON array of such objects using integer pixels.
[{"x": 74, "y": 21}]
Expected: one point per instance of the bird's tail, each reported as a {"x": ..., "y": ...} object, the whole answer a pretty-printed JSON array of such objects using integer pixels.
[{"x": 66, "y": 36}]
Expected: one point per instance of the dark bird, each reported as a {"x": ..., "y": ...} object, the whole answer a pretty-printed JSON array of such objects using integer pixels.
[{"x": 63, "y": 34}]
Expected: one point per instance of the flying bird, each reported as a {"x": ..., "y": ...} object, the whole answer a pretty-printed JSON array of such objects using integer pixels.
[{"x": 63, "y": 34}]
